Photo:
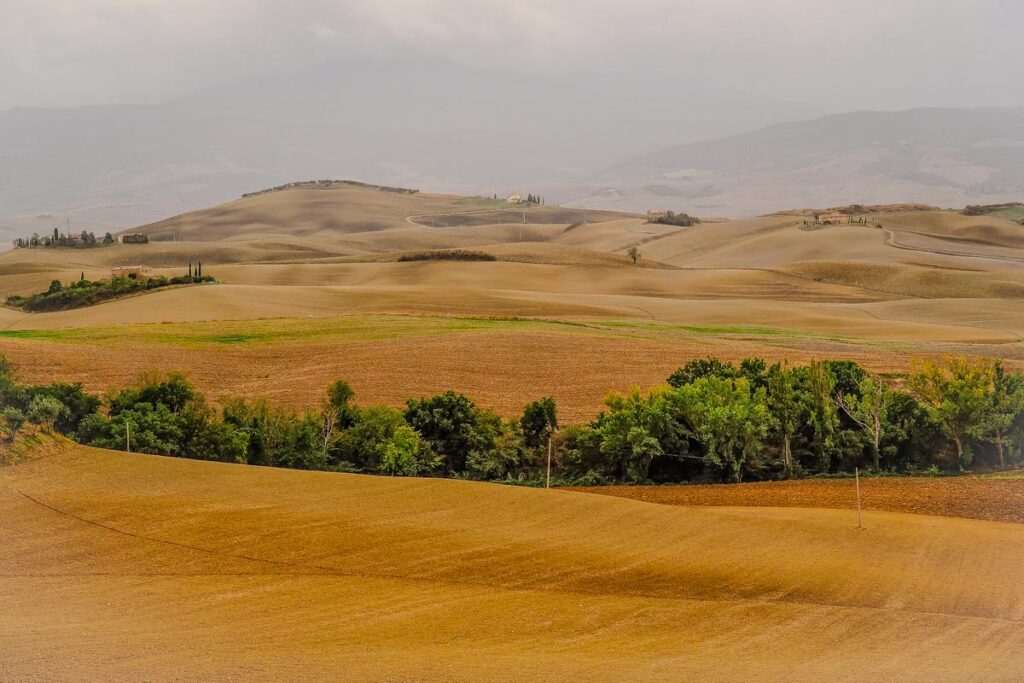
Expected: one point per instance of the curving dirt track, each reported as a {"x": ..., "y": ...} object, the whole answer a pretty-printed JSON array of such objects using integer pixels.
[{"x": 126, "y": 567}]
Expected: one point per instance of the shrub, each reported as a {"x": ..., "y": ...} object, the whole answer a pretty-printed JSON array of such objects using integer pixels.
[
  {"x": 11, "y": 419},
  {"x": 45, "y": 411}
]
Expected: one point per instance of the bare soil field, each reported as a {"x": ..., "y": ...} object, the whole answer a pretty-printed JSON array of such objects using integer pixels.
[
  {"x": 131, "y": 567},
  {"x": 971, "y": 497}
]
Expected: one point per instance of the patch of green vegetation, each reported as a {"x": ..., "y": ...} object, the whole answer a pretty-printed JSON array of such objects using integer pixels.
[
  {"x": 1014, "y": 214},
  {"x": 482, "y": 202},
  {"x": 1005, "y": 474},
  {"x": 376, "y": 327},
  {"x": 33, "y": 334},
  {"x": 350, "y": 328},
  {"x": 232, "y": 338}
]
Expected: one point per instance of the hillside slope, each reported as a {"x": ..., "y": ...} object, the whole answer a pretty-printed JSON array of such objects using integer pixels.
[{"x": 141, "y": 567}]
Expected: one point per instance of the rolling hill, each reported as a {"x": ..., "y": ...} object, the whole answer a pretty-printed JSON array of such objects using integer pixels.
[
  {"x": 314, "y": 285},
  {"x": 111, "y": 167},
  {"x": 202, "y": 570}
]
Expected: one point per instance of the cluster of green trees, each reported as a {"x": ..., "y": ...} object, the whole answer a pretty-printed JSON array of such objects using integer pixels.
[
  {"x": 449, "y": 255},
  {"x": 60, "y": 239},
  {"x": 82, "y": 292},
  {"x": 985, "y": 209},
  {"x": 682, "y": 220},
  {"x": 713, "y": 421}
]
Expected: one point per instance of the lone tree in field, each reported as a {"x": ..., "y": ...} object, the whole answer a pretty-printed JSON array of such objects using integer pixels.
[
  {"x": 634, "y": 254},
  {"x": 957, "y": 395}
]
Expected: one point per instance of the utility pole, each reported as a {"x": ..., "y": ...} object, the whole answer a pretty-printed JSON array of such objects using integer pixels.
[
  {"x": 548, "y": 484},
  {"x": 856, "y": 476}
]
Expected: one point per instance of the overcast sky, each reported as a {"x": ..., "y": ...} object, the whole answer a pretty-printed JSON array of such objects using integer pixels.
[{"x": 830, "y": 55}]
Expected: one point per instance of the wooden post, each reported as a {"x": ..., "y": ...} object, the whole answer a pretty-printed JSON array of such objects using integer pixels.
[
  {"x": 856, "y": 476},
  {"x": 548, "y": 484}
]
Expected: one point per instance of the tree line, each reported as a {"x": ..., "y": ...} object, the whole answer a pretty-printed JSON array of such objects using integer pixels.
[
  {"x": 62, "y": 239},
  {"x": 712, "y": 421},
  {"x": 82, "y": 292}
]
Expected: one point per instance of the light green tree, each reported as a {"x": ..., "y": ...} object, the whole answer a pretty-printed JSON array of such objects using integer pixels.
[
  {"x": 957, "y": 394},
  {"x": 631, "y": 431},
  {"x": 824, "y": 415},
  {"x": 44, "y": 411},
  {"x": 400, "y": 453},
  {"x": 728, "y": 419},
  {"x": 1005, "y": 410},
  {"x": 788, "y": 409},
  {"x": 870, "y": 411}
]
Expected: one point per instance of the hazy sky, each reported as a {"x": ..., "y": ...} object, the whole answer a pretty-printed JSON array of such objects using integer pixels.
[{"x": 825, "y": 55}]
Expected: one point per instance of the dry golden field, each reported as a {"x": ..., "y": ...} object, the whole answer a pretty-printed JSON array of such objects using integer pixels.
[{"x": 117, "y": 566}]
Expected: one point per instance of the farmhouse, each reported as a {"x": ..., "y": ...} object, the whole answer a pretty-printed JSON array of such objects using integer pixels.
[
  {"x": 655, "y": 214},
  {"x": 833, "y": 217},
  {"x": 131, "y": 271},
  {"x": 514, "y": 199}
]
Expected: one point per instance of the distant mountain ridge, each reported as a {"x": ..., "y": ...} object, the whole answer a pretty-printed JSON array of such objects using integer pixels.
[
  {"x": 114, "y": 167},
  {"x": 947, "y": 157}
]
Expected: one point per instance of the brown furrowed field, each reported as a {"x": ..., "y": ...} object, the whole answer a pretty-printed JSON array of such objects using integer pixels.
[
  {"x": 501, "y": 364},
  {"x": 132, "y": 567},
  {"x": 997, "y": 499}
]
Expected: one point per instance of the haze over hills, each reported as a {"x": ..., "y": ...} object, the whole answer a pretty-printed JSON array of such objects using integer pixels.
[
  {"x": 945, "y": 157},
  {"x": 110, "y": 168}
]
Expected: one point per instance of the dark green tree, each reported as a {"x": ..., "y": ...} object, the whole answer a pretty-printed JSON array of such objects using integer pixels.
[{"x": 539, "y": 422}]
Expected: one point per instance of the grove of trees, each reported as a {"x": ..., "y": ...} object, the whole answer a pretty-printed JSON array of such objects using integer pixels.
[
  {"x": 61, "y": 239},
  {"x": 79, "y": 293},
  {"x": 712, "y": 421}
]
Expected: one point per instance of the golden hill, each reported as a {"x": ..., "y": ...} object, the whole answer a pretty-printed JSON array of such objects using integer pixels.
[
  {"x": 923, "y": 283},
  {"x": 134, "y": 567}
]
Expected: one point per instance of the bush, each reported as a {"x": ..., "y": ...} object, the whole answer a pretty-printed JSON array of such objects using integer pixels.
[
  {"x": 45, "y": 411},
  {"x": 11, "y": 419},
  {"x": 381, "y": 441}
]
